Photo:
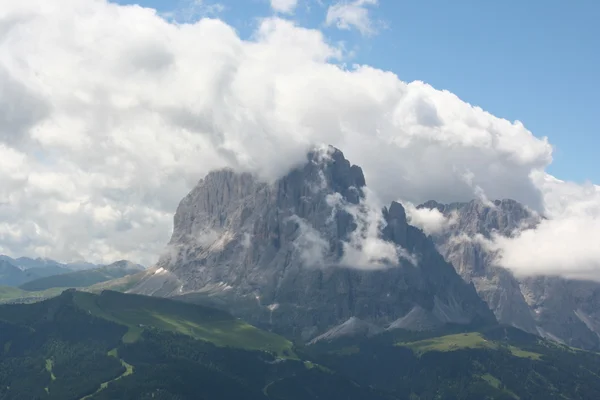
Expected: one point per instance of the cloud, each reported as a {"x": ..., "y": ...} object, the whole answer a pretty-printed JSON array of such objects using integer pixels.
[
  {"x": 188, "y": 11},
  {"x": 346, "y": 15},
  {"x": 477, "y": 190},
  {"x": 284, "y": 6},
  {"x": 430, "y": 221},
  {"x": 365, "y": 248},
  {"x": 110, "y": 114},
  {"x": 312, "y": 247},
  {"x": 567, "y": 243}
]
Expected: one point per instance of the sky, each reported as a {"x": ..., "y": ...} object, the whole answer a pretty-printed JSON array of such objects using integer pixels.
[
  {"x": 111, "y": 113},
  {"x": 532, "y": 61}
]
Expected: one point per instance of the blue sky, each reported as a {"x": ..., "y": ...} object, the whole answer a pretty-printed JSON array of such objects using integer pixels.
[{"x": 536, "y": 61}]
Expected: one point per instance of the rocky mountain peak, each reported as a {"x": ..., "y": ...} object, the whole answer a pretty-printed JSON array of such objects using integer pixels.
[
  {"x": 306, "y": 252},
  {"x": 124, "y": 265},
  {"x": 485, "y": 217},
  {"x": 395, "y": 213}
]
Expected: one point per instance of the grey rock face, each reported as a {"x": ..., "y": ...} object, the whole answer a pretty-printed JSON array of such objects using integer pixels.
[
  {"x": 566, "y": 310},
  {"x": 475, "y": 263},
  {"x": 418, "y": 319},
  {"x": 289, "y": 254},
  {"x": 559, "y": 309},
  {"x": 353, "y": 327}
]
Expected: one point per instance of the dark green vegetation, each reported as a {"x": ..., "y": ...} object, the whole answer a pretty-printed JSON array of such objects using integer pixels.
[
  {"x": 139, "y": 312},
  {"x": 80, "y": 345},
  {"x": 118, "y": 346},
  {"x": 495, "y": 363},
  {"x": 84, "y": 278}
]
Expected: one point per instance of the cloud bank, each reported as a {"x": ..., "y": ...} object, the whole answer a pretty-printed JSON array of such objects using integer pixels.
[{"x": 110, "y": 114}]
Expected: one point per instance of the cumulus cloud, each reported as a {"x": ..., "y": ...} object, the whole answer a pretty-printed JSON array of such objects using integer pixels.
[
  {"x": 284, "y": 6},
  {"x": 430, "y": 221},
  {"x": 352, "y": 14},
  {"x": 566, "y": 243},
  {"x": 110, "y": 114}
]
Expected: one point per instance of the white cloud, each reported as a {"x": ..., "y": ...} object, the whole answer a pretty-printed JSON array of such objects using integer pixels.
[
  {"x": 365, "y": 248},
  {"x": 430, "y": 221},
  {"x": 478, "y": 191},
  {"x": 565, "y": 244},
  {"x": 188, "y": 11},
  {"x": 312, "y": 247},
  {"x": 284, "y": 6},
  {"x": 110, "y": 114},
  {"x": 352, "y": 14}
]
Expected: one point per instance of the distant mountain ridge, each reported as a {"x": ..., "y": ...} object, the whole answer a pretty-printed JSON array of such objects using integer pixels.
[
  {"x": 43, "y": 263},
  {"x": 11, "y": 275},
  {"x": 15, "y": 272},
  {"x": 84, "y": 278}
]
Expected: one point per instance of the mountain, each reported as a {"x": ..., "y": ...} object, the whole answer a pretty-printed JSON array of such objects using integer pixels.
[
  {"x": 306, "y": 253},
  {"x": 84, "y": 278},
  {"x": 560, "y": 309},
  {"x": 81, "y": 265},
  {"x": 47, "y": 264},
  {"x": 31, "y": 269},
  {"x": 11, "y": 275},
  {"x": 117, "y": 346},
  {"x": 27, "y": 263},
  {"x": 566, "y": 310},
  {"x": 49, "y": 270}
]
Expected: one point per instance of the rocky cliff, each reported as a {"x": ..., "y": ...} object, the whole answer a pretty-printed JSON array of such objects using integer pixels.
[
  {"x": 306, "y": 253},
  {"x": 559, "y": 309}
]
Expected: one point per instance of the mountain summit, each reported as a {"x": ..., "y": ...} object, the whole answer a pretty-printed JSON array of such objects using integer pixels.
[{"x": 306, "y": 253}]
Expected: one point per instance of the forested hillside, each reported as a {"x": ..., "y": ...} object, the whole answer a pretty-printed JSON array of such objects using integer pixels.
[{"x": 118, "y": 346}]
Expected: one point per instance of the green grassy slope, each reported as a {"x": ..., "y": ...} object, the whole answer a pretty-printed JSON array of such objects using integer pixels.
[
  {"x": 71, "y": 348},
  {"x": 493, "y": 363},
  {"x": 461, "y": 341},
  {"x": 77, "y": 279},
  {"x": 139, "y": 313},
  {"x": 122, "y": 284},
  {"x": 9, "y": 294}
]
